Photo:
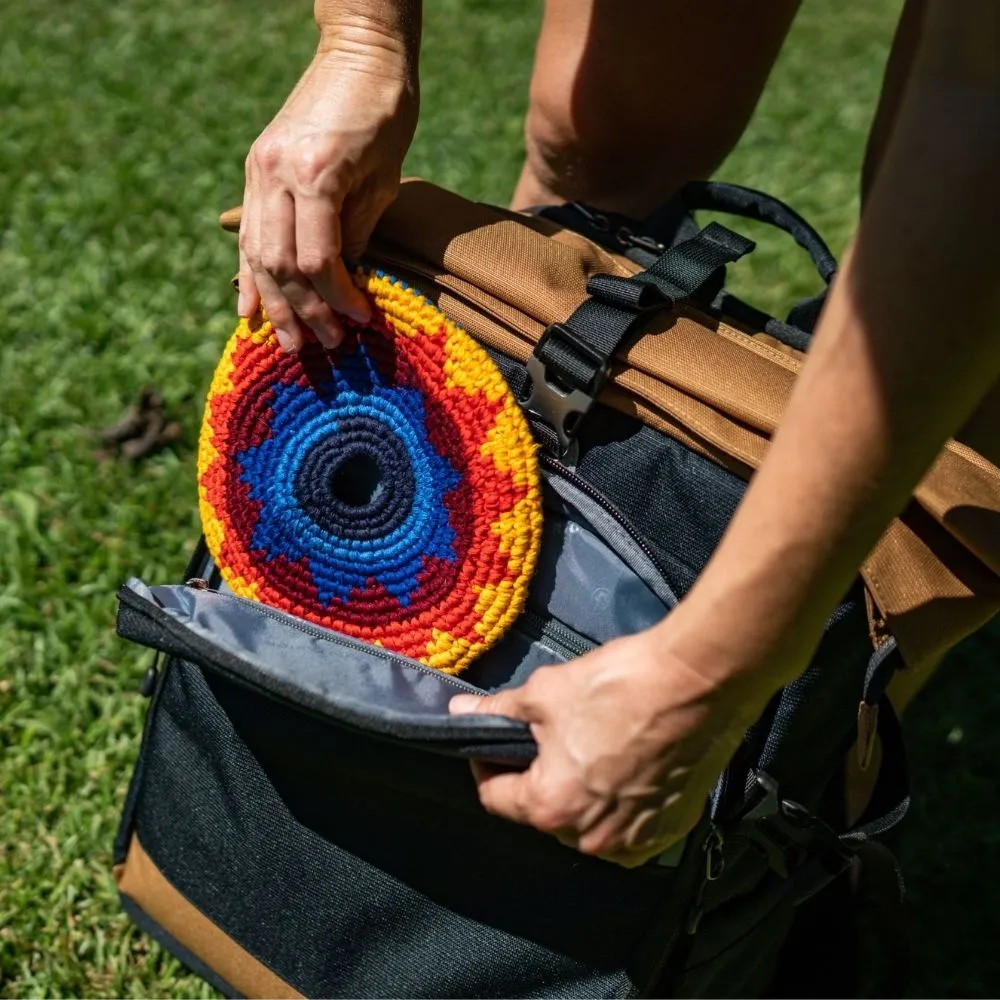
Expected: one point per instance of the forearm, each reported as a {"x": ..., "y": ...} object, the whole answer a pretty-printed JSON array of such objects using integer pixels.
[
  {"x": 392, "y": 25},
  {"x": 908, "y": 345}
]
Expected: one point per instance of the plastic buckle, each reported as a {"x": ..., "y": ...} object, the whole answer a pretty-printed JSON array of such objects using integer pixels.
[
  {"x": 790, "y": 835},
  {"x": 561, "y": 408}
]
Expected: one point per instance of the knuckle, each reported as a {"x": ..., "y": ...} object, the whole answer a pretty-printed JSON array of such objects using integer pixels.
[
  {"x": 313, "y": 263},
  {"x": 268, "y": 151},
  {"x": 278, "y": 312},
  {"x": 277, "y": 263},
  {"x": 315, "y": 311},
  {"x": 547, "y": 819},
  {"x": 539, "y": 685},
  {"x": 310, "y": 162},
  {"x": 549, "y": 815},
  {"x": 248, "y": 247}
]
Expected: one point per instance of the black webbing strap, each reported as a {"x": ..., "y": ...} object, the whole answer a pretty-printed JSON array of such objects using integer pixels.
[{"x": 570, "y": 362}]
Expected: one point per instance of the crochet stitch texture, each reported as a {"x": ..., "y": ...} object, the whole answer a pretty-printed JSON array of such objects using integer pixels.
[{"x": 387, "y": 489}]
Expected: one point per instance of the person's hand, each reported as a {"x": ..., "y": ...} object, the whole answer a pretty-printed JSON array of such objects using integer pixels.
[
  {"x": 317, "y": 180},
  {"x": 631, "y": 739}
]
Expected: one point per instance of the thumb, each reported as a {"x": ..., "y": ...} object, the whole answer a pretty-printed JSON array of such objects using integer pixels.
[{"x": 510, "y": 703}]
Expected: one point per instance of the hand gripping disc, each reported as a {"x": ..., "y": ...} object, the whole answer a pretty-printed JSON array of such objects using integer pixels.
[{"x": 387, "y": 489}]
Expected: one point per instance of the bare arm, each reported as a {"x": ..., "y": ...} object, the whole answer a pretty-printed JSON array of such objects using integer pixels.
[
  {"x": 633, "y": 736},
  {"x": 907, "y": 347},
  {"x": 323, "y": 171}
]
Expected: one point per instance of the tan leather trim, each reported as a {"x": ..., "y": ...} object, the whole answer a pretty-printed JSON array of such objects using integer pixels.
[
  {"x": 930, "y": 589},
  {"x": 962, "y": 493},
  {"x": 140, "y": 880}
]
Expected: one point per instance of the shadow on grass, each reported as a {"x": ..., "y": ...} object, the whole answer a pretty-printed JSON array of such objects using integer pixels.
[{"x": 951, "y": 849}]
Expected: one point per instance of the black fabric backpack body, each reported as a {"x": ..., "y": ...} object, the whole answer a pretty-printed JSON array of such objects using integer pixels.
[{"x": 302, "y": 819}]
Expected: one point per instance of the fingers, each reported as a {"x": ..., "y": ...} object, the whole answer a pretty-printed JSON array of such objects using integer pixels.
[
  {"x": 287, "y": 329},
  {"x": 318, "y": 243},
  {"x": 288, "y": 295},
  {"x": 515, "y": 703},
  {"x": 540, "y": 796},
  {"x": 249, "y": 298},
  {"x": 290, "y": 258}
]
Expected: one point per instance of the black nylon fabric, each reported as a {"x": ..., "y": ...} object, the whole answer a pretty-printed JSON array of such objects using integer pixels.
[
  {"x": 682, "y": 501},
  {"x": 352, "y": 868}
]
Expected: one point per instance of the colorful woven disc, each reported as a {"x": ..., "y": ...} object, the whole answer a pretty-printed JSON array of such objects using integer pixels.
[{"x": 388, "y": 489}]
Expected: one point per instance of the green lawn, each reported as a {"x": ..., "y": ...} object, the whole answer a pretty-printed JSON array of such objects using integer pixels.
[{"x": 123, "y": 128}]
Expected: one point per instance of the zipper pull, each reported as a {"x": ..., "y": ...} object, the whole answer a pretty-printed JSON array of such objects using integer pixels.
[
  {"x": 196, "y": 583},
  {"x": 148, "y": 683},
  {"x": 715, "y": 863}
]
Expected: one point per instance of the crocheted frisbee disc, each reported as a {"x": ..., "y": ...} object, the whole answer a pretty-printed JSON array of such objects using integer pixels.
[{"x": 387, "y": 489}]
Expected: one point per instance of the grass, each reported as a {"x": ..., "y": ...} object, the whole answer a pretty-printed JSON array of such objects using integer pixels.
[{"x": 124, "y": 128}]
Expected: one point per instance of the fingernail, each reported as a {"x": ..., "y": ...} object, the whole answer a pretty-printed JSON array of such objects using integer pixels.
[
  {"x": 463, "y": 704},
  {"x": 361, "y": 310},
  {"x": 243, "y": 304},
  {"x": 286, "y": 341}
]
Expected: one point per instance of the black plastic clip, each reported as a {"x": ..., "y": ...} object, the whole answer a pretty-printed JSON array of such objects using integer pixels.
[
  {"x": 562, "y": 408},
  {"x": 790, "y": 835}
]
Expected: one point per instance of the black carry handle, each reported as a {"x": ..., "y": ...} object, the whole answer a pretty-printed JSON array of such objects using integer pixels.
[{"x": 734, "y": 199}]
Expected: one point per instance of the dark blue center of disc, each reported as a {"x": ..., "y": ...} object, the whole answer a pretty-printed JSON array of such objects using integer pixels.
[{"x": 358, "y": 482}]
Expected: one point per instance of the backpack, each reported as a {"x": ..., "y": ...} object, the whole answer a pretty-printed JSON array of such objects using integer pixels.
[{"x": 301, "y": 820}]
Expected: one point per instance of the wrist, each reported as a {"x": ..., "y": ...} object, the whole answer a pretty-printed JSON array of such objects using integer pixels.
[
  {"x": 384, "y": 34},
  {"x": 667, "y": 671},
  {"x": 727, "y": 654}
]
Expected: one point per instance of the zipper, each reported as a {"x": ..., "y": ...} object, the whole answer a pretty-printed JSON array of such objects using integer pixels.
[
  {"x": 329, "y": 635},
  {"x": 204, "y": 653},
  {"x": 554, "y": 632},
  {"x": 575, "y": 479},
  {"x": 715, "y": 864}
]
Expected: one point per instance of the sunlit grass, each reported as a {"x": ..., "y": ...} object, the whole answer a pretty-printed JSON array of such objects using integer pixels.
[{"x": 123, "y": 128}]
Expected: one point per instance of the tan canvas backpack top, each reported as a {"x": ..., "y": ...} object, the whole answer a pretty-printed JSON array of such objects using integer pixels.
[{"x": 715, "y": 384}]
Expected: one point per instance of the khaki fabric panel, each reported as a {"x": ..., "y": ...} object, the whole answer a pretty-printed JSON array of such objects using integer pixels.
[
  {"x": 778, "y": 345},
  {"x": 143, "y": 883},
  {"x": 930, "y": 589},
  {"x": 962, "y": 493},
  {"x": 633, "y": 392},
  {"x": 486, "y": 330},
  {"x": 544, "y": 278},
  {"x": 495, "y": 335},
  {"x": 720, "y": 369},
  {"x": 715, "y": 429}
]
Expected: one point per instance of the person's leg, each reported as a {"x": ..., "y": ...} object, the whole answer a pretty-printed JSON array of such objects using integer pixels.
[
  {"x": 897, "y": 72},
  {"x": 630, "y": 100}
]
